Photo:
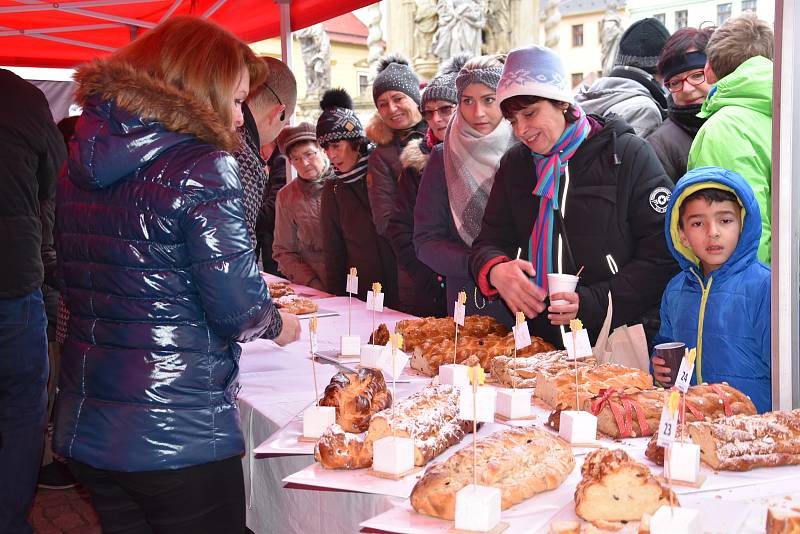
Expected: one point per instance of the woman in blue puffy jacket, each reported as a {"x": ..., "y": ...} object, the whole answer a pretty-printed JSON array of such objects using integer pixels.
[{"x": 161, "y": 281}]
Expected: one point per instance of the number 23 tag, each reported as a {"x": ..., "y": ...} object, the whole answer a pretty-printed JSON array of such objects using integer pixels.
[{"x": 669, "y": 419}]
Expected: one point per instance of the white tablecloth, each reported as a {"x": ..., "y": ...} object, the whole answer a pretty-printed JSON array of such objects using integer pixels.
[{"x": 277, "y": 383}]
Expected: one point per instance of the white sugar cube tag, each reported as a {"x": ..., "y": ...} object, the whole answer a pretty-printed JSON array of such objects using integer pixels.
[
  {"x": 579, "y": 346},
  {"x": 459, "y": 312},
  {"x": 685, "y": 372},
  {"x": 522, "y": 336},
  {"x": 375, "y": 301},
  {"x": 352, "y": 284}
]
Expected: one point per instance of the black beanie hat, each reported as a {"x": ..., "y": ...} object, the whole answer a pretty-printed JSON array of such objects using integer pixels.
[
  {"x": 395, "y": 74},
  {"x": 338, "y": 120},
  {"x": 641, "y": 44}
]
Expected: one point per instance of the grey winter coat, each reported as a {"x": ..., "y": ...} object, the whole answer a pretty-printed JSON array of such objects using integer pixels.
[
  {"x": 672, "y": 144},
  {"x": 626, "y": 98},
  {"x": 298, "y": 236}
]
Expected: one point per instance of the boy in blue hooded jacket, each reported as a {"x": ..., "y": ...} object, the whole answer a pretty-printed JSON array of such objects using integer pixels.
[{"x": 720, "y": 302}]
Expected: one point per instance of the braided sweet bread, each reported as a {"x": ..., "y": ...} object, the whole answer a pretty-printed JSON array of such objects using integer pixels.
[
  {"x": 295, "y": 304},
  {"x": 521, "y": 461},
  {"x": 279, "y": 289},
  {"x": 356, "y": 397},
  {"x": 521, "y": 372}
]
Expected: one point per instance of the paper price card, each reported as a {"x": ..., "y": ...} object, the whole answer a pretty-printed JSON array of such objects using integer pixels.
[
  {"x": 375, "y": 298},
  {"x": 685, "y": 371},
  {"x": 460, "y": 310},
  {"x": 576, "y": 341},
  {"x": 312, "y": 331},
  {"x": 522, "y": 336},
  {"x": 352, "y": 281},
  {"x": 668, "y": 425}
]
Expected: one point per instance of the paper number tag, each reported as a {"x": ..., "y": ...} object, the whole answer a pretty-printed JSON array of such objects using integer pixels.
[
  {"x": 375, "y": 301},
  {"x": 522, "y": 336},
  {"x": 313, "y": 334},
  {"x": 669, "y": 419},
  {"x": 685, "y": 372},
  {"x": 352, "y": 284},
  {"x": 460, "y": 310},
  {"x": 579, "y": 347}
]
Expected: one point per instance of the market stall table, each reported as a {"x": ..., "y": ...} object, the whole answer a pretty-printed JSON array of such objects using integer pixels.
[{"x": 277, "y": 384}]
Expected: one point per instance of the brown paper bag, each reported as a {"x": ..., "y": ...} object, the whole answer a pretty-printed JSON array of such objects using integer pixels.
[{"x": 626, "y": 345}]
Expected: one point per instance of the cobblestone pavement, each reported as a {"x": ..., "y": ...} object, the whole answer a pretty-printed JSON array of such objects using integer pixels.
[{"x": 57, "y": 511}]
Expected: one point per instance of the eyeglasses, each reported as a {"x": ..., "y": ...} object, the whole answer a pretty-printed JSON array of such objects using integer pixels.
[
  {"x": 305, "y": 156},
  {"x": 283, "y": 111},
  {"x": 444, "y": 111},
  {"x": 675, "y": 84}
]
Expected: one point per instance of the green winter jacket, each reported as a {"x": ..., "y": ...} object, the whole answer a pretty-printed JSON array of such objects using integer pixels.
[{"x": 737, "y": 134}]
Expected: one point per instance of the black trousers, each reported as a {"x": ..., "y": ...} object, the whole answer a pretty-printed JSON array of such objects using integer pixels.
[{"x": 202, "y": 498}]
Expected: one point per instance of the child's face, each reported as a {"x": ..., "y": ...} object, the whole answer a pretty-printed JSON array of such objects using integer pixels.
[{"x": 711, "y": 230}]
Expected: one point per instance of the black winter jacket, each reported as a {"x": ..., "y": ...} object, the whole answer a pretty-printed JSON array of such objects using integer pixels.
[
  {"x": 427, "y": 296},
  {"x": 350, "y": 240},
  {"x": 615, "y": 204},
  {"x": 33, "y": 154}
]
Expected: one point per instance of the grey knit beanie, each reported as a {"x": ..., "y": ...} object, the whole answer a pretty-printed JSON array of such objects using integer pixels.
[
  {"x": 484, "y": 69},
  {"x": 395, "y": 74},
  {"x": 443, "y": 85}
]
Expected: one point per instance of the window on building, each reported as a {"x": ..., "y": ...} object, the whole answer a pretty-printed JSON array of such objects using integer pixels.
[
  {"x": 577, "y": 35},
  {"x": 577, "y": 77},
  {"x": 749, "y": 5},
  {"x": 363, "y": 84},
  {"x": 681, "y": 19},
  {"x": 723, "y": 13},
  {"x": 661, "y": 17}
]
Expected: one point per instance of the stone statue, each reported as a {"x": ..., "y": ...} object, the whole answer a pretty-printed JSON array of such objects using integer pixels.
[
  {"x": 551, "y": 21},
  {"x": 375, "y": 44},
  {"x": 610, "y": 34},
  {"x": 316, "y": 49},
  {"x": 460, "y": 28},
  {"x": 497, "y": 32},
  {"x": 425, "y": 22}
]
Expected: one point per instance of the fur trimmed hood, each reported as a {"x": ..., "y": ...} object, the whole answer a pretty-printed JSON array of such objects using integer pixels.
[
  {"x": 378, "y": 131},
  {"x": 150, "y": 98},
  {"x": 413, "y": 157}
]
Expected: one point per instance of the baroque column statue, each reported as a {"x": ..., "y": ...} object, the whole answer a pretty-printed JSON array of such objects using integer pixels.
[
  {"x": 551, "y": 21},
  {"x": 315, "y": 46},
  {"x": 610, "y": 34},
  {"x": 375, "y": 45},
  {"x": 460, "y": 28},
  {"x": 425, "y": 23},
  {"x": 497, "y": 32}
]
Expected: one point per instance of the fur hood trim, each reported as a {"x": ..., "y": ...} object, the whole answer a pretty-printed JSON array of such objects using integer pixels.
[
  {"x": 413, "y": 157},
  {"x": 378, "y": 131},
  {"x": 151, "y": 98}
]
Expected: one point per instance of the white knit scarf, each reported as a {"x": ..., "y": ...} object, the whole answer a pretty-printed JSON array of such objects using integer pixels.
[{"x": 470, "y": 161}]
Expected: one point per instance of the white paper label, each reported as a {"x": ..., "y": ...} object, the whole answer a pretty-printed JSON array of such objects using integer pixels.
[
  {"x": 684, "y": 375},
  {"x": 314, "y": 343},
  {"x": 522, "y": 336},
  {"x": 667, "y": 426},
  {"x": 459, "y": 313},
  {"x": 375, "y": 302},
  {"x": 579, "y": 346},
  {"x": 352, "y": 284}
]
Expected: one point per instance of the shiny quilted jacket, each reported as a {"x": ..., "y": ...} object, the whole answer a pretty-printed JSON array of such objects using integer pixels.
[{"x": 161, "y": 282}]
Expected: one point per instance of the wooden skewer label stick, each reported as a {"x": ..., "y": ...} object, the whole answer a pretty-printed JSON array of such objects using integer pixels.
[
  {"x": 459, "y": 316},
  {"x": 352, "y": 287},
  {"x": 312, "y": 336}
]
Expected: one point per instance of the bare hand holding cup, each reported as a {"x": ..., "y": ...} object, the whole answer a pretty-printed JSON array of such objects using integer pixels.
[{"x": 511, "y": 279}]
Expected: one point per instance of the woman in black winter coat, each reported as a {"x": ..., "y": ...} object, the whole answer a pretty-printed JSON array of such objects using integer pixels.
[
  {"x": 681, "y": 67},
  {"x": 349, "y": 236},
  {"x": 577, "y": 191}
]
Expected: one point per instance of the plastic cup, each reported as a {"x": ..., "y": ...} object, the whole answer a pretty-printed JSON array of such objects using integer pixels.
[
  {"x": 561, "y": 283},
  {"x": 672, "y": 354}
]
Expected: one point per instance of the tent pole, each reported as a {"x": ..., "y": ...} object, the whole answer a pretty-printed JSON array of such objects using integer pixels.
[{"x": 785, "y": 209}]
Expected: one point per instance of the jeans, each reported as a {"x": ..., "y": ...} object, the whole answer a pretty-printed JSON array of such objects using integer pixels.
[
  {"x": 23, "y": 406},
  {"x": 206, "y": 498}
]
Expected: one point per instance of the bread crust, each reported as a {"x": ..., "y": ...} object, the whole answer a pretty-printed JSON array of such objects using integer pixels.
[
  {"x": 356, "y": 397},
  {"x": 521, "y": 371},
  {"x": 614, "y": 487},
  {"x": 520, "y": 461},
  {"x": 558, "y": 390},
  {"x": 337, "y": 449}
]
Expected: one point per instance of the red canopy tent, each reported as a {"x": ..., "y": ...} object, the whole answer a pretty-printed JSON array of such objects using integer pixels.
[{"x": 63, "y": 34}]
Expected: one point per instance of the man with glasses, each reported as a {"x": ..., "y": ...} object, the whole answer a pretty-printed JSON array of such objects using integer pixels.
[{"x": 298, "y": 238}]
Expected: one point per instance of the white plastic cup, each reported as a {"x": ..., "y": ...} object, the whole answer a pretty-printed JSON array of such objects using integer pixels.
[{"x": 560, "y": 283}]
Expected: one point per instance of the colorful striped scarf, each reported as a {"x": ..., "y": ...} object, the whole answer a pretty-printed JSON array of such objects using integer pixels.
[{"x": 548, "y": 171}]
